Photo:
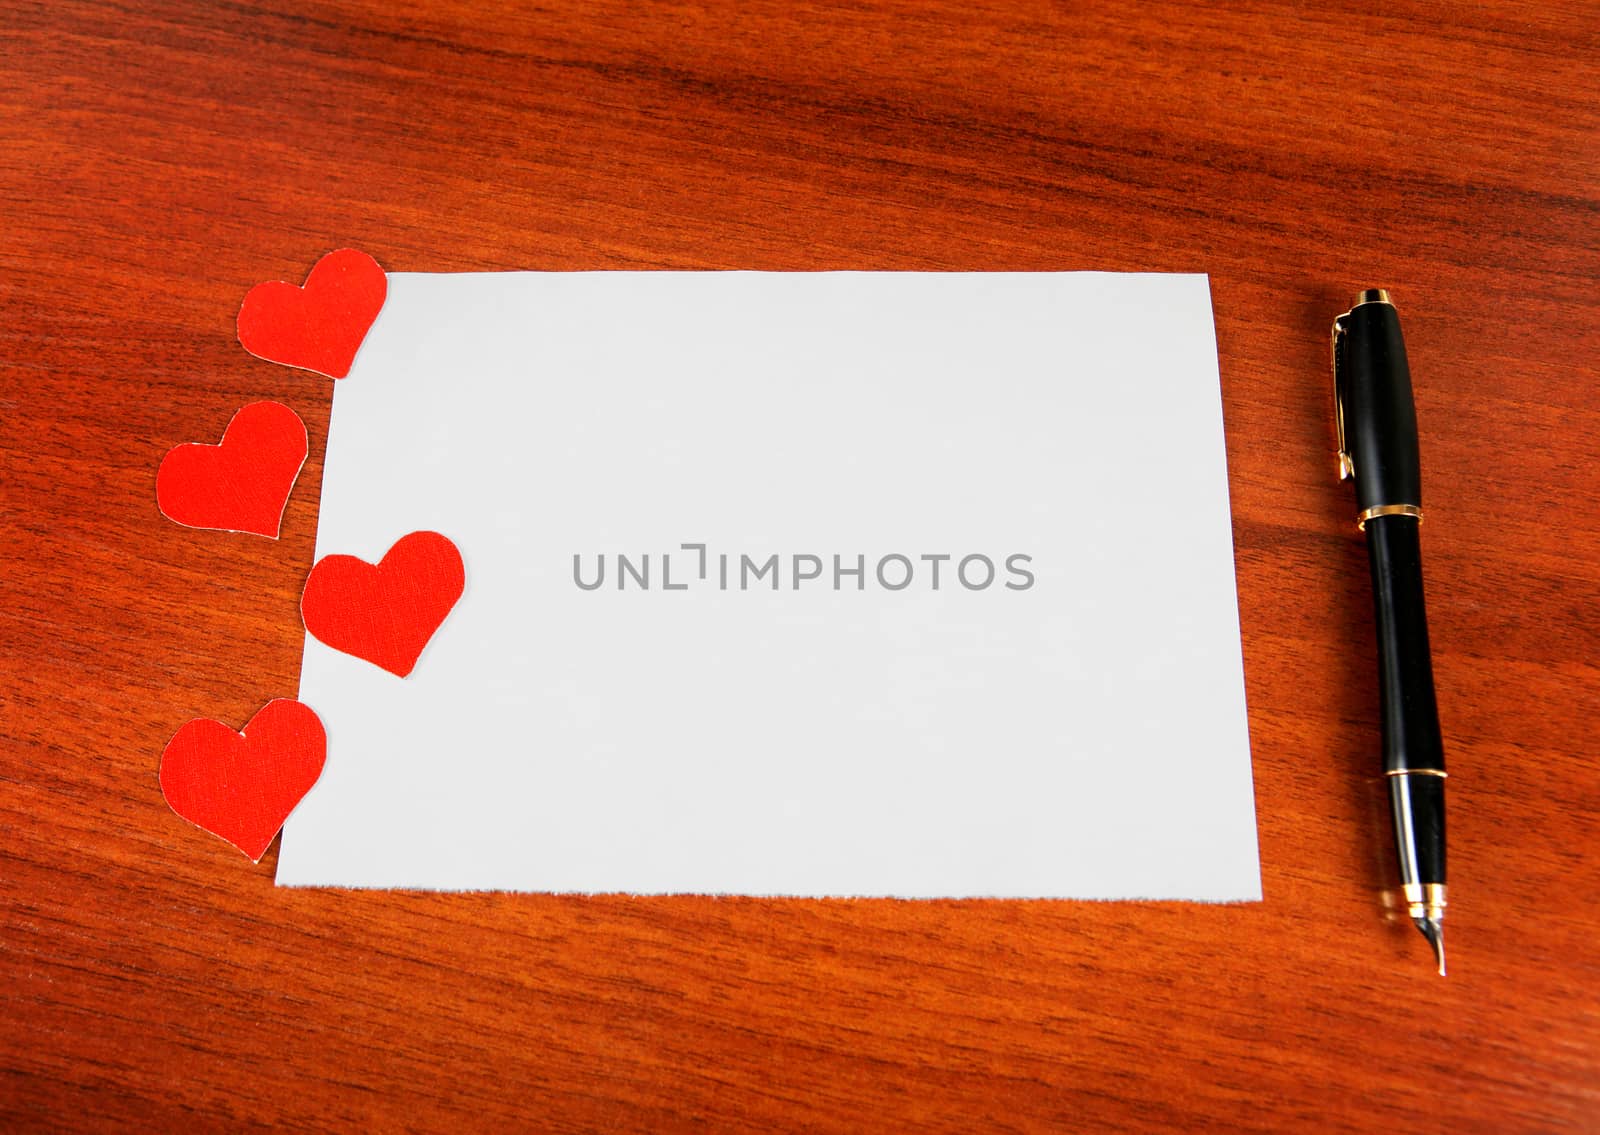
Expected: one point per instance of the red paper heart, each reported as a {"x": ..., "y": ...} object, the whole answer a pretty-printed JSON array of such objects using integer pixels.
[
  {"x": 385, "y": 613},
  {"x": 242, "y": 484},
  {"x": 242, "y": 786},
  {"x": 320, "y": 326}
]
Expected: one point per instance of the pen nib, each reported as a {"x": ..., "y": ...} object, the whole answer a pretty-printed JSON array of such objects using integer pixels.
[{"x": 1433, "y": 930}]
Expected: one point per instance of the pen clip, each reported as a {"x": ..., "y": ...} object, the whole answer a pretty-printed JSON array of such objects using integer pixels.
[{"x": 1347, "y": 468}]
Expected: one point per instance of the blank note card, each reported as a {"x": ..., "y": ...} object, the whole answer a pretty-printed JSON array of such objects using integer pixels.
[{"x": 791, "y": 584}]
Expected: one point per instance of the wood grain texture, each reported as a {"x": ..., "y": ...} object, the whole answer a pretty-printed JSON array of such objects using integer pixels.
[{"x": 160, "y": 158}]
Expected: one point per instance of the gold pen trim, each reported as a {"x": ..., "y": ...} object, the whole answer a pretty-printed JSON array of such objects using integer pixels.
[
  {"x": 1378, "y": 510},
  {"x": 1439, "y": 772},
  {"x": 1424, "y": 900},
  {"x": 1347, "y": 468}
]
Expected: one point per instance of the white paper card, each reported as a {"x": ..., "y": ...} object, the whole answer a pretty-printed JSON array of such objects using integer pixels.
[{"x": 1067, "y": 721}]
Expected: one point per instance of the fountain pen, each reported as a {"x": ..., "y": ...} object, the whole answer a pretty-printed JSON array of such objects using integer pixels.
[{"x": 1376, "y": 422}]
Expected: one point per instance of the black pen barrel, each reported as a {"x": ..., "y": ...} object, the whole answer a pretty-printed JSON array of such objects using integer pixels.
[
  {"x": 1413, "y": 746},
  {"x": 1411, "y": 736}
]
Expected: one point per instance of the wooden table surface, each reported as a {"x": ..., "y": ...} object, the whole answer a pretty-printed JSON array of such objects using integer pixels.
[{"x": 160, "y": 158}]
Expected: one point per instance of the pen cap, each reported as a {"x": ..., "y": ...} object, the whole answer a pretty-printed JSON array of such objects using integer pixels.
[{"x": 1380, "y": 418}]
